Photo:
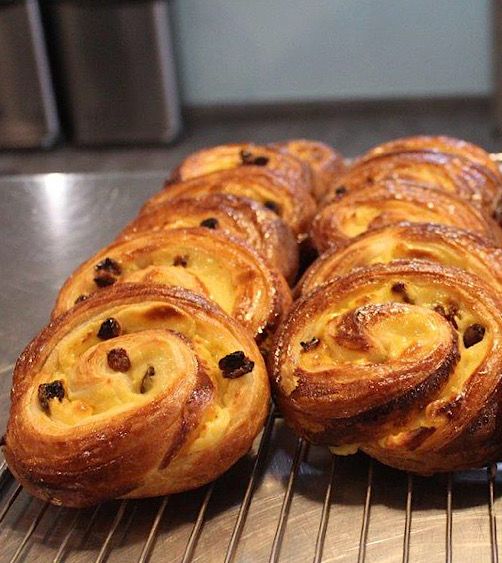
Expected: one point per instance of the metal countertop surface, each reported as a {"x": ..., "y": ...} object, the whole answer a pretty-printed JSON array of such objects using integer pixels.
[{"x": 284, "y": 501}]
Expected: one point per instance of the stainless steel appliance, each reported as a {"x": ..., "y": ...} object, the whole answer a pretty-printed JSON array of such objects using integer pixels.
[
  {"x": 28, "y": 116},
  {"x": 115, "y": 64}
]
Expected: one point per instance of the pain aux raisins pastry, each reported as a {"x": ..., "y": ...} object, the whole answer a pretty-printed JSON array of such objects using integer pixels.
[
  {"x": 291, "y": 170},
  {"x": 402, "y": 361},
  {"x": 295, "y": 207},
  {"x": 202, "y": 260},
  {"x": 449, "y": 246},
  {"x": 386, "y": 203},
  {"x": 141, "y": 391},
  {"x": 440, "y": 144},
  {"x": 241, "y": 217},
  {"x": 462, "y": 177},
  {"x": 326, "y": 163}
]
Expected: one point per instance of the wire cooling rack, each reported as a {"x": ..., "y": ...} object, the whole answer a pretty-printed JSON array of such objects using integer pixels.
[{"x": 286, "y": 501}]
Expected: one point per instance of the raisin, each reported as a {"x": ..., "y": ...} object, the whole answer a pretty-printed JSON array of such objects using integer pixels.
[
  {"x": 449, "y": 314},
  {"x": 109, "y": 265},
  {"x": 81, "y": 298},
  {"x": 180, "y": 261},
  {"x": 497, "y": 214},
  {"x": 105, "y": 279},
  {"x": 118, "y": 360},
  {"x": 235, "y": 365},
  {"x": 273, "y": 206},
  {"x": 399, "y": 288},
  {"x": 310, "y": 344},
  {"x": 210, "y": 223},
  {"x": 473, "y": 334},
  {"x": 341, "y": 190},
  {"x": 145, "y": 382},
  {"x": 248, "y": 158},
  {"x": 48, "y": 391},
  {"x": 109, "y": 329}
]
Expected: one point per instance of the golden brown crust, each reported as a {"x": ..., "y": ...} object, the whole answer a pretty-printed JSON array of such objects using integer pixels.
[
  {"x": 449, "y": 246},
  {"x": 391, "y": 202},
  {"x": 402, "y": 360},
  {"x": 223, "y": 269},
  {"x": 291, "y": 170},
  {"x": 108, "y": 437},
  {"x": 241, "y": 217},
  {"x": 295, "y": 207},
  {"x": 326, "y": 163},
  {"x": 439, "y": 144},
  {"x": 465, "y": 178}
]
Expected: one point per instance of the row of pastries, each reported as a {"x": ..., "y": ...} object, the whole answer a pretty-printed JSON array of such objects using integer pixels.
[{"x": 154, "y": 373}]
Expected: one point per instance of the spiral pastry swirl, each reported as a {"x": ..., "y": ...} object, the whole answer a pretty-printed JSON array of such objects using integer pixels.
[
  {"x": 295, "y": 207},
  {"x": 291, "y": 170},
  {"x": 437, "y": 144},
  {"x": 325, "y": 162},
  {"x": 243, "y": 218},
  {"x": 388, "y": 203},
  {"x": 220, "y": 268},
  {"x": 452, "y": 174},
  {"x": 139, "y": 391},
  {"x": 403, "y": 361},
  {"x": 449, "y": 246}
]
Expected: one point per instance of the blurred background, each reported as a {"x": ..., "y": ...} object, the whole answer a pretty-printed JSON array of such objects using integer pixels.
[{"x": 137, "y": 84}]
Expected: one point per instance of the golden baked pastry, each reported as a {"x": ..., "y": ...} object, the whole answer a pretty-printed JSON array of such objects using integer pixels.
[
  {"x": 246, "y": 219},
  {"x": 449, "y": 246},
  {"x": 462, "y": 177},
  {"x": 295, "y": 207},
  {"x": 137, "y": 392},
  {"x": 402, "y": 361},
  {"x": 291, "y": 170},
  {"x": 214, "y": 265},
  {"x": 389, "y": 202},
  {"x": 438, "y": 144},
  {"x": 325, "y": 162}
]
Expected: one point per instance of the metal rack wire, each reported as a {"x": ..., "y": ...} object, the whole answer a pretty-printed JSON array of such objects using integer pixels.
[{"x": 70, "y": 545}]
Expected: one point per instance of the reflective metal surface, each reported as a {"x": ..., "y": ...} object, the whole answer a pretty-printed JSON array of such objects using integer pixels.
[{"x": 285, "y": 501}]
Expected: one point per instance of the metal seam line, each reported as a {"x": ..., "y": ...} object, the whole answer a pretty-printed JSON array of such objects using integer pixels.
[
  {"x": 248, "y": 495},
  {"x": 407, "y": 524},
  {"x": 301, "y": 449},
  {"x": 492, "y": 474},
  {"x": 30, "y": 531},
  {"x": 152, "y": 535},
  {"x": 195, "y": 534},
  {"x": 449, "y": 520},
  {"x": 323, "y": 524},
  {"x": 366, "y": 515},
  {"x": 103, "y": 552}
]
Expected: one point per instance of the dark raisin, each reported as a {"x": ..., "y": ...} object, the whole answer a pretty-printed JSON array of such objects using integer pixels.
[
  {"x": 273, "y": 206},
  {"x": 473, "y": 334},
  {"x": 341, "y": 190},
  {"x": 109, "y": 329},
  {"x": 210, "y": 223},
  {"x": 248, "y": 158},
  {"x": 399, "y": 288},
  {"x": 105, "y": 279},
  {"x": 180, "y": 261},
  {"x": 235, "y": 365},
  {"x": 497, "y": 214},
  {"x": 81, "y": 298},
  {"x": 48, "y": 391},
  {"x": 109, "y": 265},
  {"x": 310, "y": 344},
  {"x": 118, "y": 360},
  {"x": 145, "y": 382}
]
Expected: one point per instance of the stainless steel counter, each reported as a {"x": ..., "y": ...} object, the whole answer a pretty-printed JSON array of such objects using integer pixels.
[{"x": 288, "y": 503}]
